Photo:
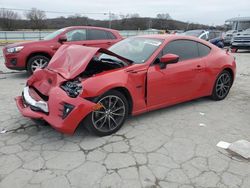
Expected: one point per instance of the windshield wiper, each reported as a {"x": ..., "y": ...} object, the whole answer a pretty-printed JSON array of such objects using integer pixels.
[
  {"x": 105, "y": 51},
  {"x": 112, "y": 60}
]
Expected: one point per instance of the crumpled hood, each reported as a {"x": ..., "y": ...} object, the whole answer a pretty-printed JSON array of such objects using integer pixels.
[{"x": 71, "y": 60}]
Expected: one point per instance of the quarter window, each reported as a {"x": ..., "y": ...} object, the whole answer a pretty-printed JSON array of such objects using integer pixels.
[
  {"x": 203, "y": 50},
  {"x": 111, "y": 35},
  {"x": 185, "y": 49},
  {"x": 76, "y": 35},
  {"x": 96, "y": 34}
]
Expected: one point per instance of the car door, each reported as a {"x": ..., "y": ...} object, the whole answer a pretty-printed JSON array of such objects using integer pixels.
[{"x": 177, "y": 82}]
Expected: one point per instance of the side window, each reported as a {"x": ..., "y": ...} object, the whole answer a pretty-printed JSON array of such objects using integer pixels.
[
  {"x": 185, "y": 49},
  {"x": 96, "y": 34},
  {"x": 76, "y": 35},
  {"x": 203, "y": 50}
]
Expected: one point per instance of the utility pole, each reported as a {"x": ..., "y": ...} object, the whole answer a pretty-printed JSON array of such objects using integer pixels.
[{"x": 110, "y": 19}]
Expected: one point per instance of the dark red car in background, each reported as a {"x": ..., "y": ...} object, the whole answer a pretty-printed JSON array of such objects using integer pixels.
[{"x": 32, "y": 55}]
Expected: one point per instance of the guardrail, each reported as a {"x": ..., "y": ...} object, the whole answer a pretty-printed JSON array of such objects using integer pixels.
[{"x": 14, "y": 36}]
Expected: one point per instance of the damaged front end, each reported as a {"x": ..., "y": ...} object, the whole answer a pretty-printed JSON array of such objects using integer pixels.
[
  {"x": 54, "y": 93},
  {"x": 73, "y": 87}
]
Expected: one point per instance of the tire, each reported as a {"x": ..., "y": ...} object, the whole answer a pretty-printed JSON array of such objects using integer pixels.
[
  {"x": 38, "y": 61},
  {"x": 111, "y": 117},
  {"x": 222, "y": 86}
]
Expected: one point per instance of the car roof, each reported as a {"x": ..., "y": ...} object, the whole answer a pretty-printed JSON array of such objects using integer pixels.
[
  {"x": 89, "y": 27},
  {"x": 170, "y": 37}
]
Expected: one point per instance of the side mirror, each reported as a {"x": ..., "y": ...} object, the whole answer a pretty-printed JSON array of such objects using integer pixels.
[
  {"x": 62, "y": 38},
  {"x": 168, "y": 59}
]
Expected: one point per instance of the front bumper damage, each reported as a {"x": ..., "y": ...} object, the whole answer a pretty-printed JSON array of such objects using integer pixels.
[
  {"x": 39, "y": 105},
  {"x": 56, "y": 110}
]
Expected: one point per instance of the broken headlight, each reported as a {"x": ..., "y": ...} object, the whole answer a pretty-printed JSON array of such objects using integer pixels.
[{"x": 73, "y": 88}]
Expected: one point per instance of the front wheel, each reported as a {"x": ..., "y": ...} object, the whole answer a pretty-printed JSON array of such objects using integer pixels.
[
  {"x": 222, "y": 86},
  {"x": 35, "y": 62},
  {"x": 111, "y": 116}
]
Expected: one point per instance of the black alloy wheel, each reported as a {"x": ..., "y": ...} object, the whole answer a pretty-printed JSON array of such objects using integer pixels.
[
  {"x": 111, "y": 116},
  {"x": 222, "y": 85}
]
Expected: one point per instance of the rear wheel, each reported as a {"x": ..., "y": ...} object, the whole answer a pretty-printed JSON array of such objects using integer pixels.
[
  {"x": 35, "y": 62},
  {"x": 222, "y": 86},
  {"x": 111, "y": 116}
]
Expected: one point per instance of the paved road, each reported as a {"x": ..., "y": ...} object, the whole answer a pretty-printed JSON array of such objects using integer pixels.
[{"x": 164, "y": 148}]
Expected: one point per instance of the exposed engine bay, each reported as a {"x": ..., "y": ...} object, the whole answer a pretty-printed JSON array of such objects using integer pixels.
[{"x": 97, "y": 65}]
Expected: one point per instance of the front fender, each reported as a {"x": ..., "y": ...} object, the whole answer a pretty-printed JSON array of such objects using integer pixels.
[{"x": 134, "y": 83}]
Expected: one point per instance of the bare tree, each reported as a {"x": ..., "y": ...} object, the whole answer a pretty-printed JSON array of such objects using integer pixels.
[
  {"x": 37, "y": 18},
  {"x": 8, "y": 19},
  {"x": 134, "y": 15},
  {"x": 163, "y": 18}
]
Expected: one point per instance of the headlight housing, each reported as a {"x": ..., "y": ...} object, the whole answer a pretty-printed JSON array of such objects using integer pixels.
[
  {"x": 73, "y": 88},
  {"x": 15, "y": 49}
]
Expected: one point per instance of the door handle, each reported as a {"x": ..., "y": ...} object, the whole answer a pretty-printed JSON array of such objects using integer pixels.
[
  {"x": 198, "y": 68},
  {"x": 136, "y": 71},
  {"x": 109, "y": 43}
]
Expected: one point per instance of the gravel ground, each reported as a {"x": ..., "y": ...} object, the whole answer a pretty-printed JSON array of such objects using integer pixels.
[{"x": 164, "y": 148}]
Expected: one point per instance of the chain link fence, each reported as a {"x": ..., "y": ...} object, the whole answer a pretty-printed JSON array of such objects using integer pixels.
[{"x": 16, "y": 36}]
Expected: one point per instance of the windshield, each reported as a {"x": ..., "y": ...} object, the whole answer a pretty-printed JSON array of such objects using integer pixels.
[
  {"x": 54, "y": 34},
  {"x": 195, "y": 33},
  {"x": 136, "y": 49},
  {"x": 241, "y": 25}
]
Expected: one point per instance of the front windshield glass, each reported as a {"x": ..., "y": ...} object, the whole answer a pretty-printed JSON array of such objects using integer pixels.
[
  {"x": 195, "y": 33},
  {"x": 54, "y": 34},
  {"x": 243, "y": 25},
  {"x": 136, "y": 49}
]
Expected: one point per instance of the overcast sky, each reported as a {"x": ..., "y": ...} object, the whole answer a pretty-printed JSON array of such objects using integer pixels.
[{"x": 212, "y": 12}]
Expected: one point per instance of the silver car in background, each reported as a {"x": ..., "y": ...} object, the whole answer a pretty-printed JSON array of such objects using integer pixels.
[
  {"x": 235, "y": 25},
  {"x": 241, "y": 40}
]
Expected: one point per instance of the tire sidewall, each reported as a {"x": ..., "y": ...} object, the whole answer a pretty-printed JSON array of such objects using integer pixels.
[
  {"x": 32, "y": 59},
  {"x": 88, "y": 120},
  {"x": 214, "y": 94}
]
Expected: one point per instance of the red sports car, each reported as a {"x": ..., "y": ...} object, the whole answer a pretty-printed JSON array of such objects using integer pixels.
[{"x": 99, "y": 88}]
